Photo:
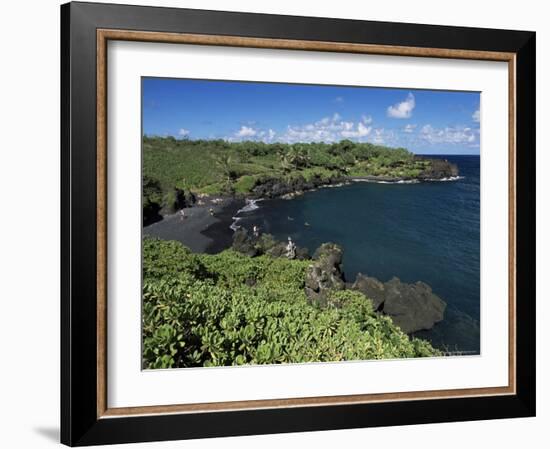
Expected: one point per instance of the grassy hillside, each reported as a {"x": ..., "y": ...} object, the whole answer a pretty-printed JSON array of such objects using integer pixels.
[
  {"x": 217, "y": 166},
  {"x": 231, "y": 309}
]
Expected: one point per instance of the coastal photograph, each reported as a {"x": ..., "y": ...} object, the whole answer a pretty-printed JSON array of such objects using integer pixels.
[{"x": 297, "y": 223}]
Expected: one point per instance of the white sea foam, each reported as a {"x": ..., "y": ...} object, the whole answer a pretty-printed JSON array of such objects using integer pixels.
[
  {"x": 234, "y": 226},
  {"x": 248, "y": 207},
  {"x": 376, "y": 181},
  {"x": 450, "y": 178},
  {"x": 409, "y": 181},
  {"x": 331, "y": 186}
]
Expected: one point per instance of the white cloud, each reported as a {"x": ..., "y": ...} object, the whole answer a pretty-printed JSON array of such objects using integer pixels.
[
  {"x": 266, "y": 136},
  {"x": 378, "y": 136},
  {"x": 409, "y": 128},
  {"x": 328, "y": 129},
  {"x": 184, "y": 132},
  {"x": 403, "y": 109},
  {"x": 361, "y": 131},
  {"x": 476, "y": 116},
  {"x": 250, "y": 133},
  {"x": 449, "y": 134},
  {"x": 339, "y": 100},
  {"x": 246, "y": 131}
]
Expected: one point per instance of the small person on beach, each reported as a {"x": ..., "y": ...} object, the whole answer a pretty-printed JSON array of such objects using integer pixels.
[
  {"x": 256, "y": 231},
  {"x": 290, "y": 249},
  {"x": 211, "y": 211},
  {"x": 182, "y": 215}
]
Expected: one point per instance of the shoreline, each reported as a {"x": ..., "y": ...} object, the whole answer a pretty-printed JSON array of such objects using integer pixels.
[
  {"x": 346, "y": 180},
  {"x": 211, "y": 234},
  {"x": 200, "y": 231},
  {"x": 221, "y": 232}
]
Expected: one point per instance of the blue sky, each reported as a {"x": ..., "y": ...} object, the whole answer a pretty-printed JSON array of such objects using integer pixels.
[{"x": 423, "y": 121}]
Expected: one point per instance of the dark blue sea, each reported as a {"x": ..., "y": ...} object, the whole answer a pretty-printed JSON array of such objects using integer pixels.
[{"x": 418, "y": 232}]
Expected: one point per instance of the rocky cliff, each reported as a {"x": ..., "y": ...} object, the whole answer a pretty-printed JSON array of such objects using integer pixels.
[{"x": 412, "y": 307}]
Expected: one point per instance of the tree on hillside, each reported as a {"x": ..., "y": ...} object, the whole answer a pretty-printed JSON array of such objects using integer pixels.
[
  {"x": 295, "y": 157},
  {"x": 224, "y": 161},
  {"x": 342, "y": 147},
  {"x": 284, "y": 160},
  {"x": 300, "y": 156}
]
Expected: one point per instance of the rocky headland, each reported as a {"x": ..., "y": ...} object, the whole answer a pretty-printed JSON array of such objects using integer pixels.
[
  {"x": 412, "y": 307},
  {"x": 274, "y": 187},
  {"x": 159, "y": 203}
]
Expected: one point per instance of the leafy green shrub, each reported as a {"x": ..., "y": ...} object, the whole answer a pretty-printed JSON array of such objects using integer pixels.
[
  {"x": 319, "y": 172},
  {"x": 230, "y": 309},
  {"x": 245, "y": 184},
  {"x": 165, "y": 260}
]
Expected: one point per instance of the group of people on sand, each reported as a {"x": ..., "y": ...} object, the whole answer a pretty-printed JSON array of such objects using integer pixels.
[
  {"x": 183, "y": 216},
  {"x": 290, "y": 247}
]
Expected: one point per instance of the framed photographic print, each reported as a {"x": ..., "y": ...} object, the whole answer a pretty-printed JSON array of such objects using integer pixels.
[{"x": 279, "y": 224}]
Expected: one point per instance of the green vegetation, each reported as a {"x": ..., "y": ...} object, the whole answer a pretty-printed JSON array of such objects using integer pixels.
[
  {"x": 231, "y": 309},
  {"x": 219, "y": 167}
]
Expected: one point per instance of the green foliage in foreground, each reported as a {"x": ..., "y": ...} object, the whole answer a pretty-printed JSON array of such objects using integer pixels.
[
  {"x": 231, "y": 309},
  {"x": 220, "y": 167}
]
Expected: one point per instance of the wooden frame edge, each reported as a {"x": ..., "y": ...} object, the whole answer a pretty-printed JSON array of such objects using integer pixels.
[
  {"x": 291, "y": 44},
  {"x": 319, "y": 401},
  {"x": 101, "y": 223},
  {"x": 103, "y": 36},
  {"x": 512, "y": 218}
]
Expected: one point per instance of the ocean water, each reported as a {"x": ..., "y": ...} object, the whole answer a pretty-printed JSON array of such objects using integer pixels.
[{"x": 418, "y": 232}]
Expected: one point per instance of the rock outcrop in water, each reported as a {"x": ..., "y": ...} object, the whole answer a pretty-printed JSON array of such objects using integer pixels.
[
  {"x": 325, "y": 274},
  {"x": 438, "y": 169},
  {"x": 372, "y": 288},
  {"x": 413, "y": 307}
]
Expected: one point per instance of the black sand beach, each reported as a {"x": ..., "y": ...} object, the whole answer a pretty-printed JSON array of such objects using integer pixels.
[{"x": 200, "y": 231}]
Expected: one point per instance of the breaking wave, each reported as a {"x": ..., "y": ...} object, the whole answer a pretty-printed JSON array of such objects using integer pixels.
[{"x": 248, "y": 207}]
